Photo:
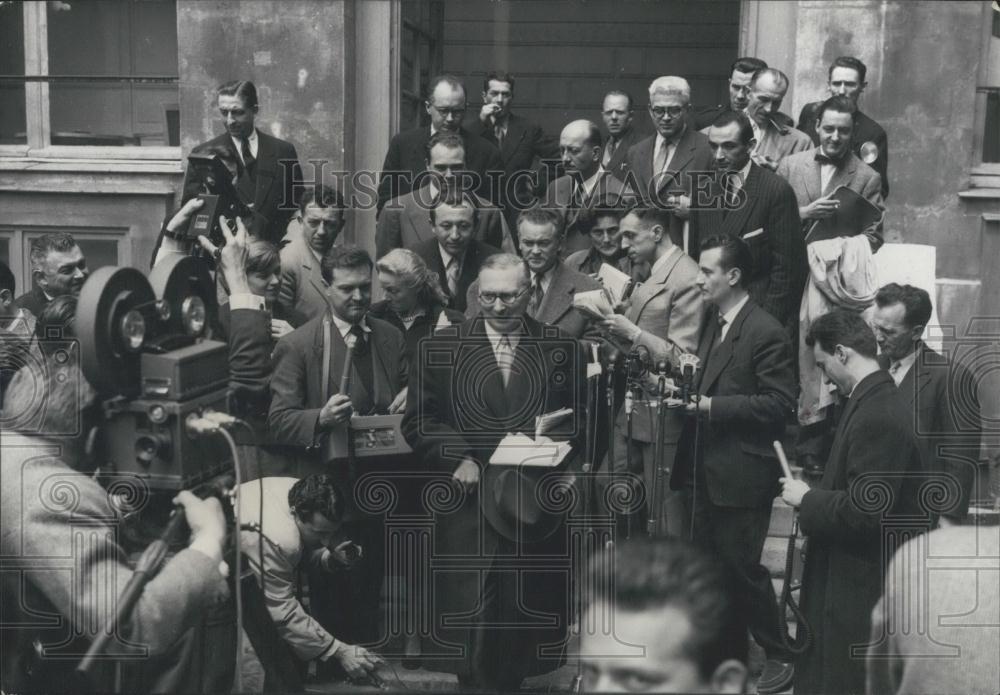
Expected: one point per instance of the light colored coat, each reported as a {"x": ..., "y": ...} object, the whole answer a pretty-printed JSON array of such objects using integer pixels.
[{"x": 302, "y": 285}]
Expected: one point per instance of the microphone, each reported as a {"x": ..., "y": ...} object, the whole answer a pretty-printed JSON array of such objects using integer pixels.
[
  {"x": 345, "y": 376},
  {"x": 689, "y": 367}
]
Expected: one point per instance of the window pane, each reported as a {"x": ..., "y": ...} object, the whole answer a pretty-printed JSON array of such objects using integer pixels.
[
  {"x": 991, "y": 136},
  {"x": 5, "y": 251},
  {"x": 12, "y": 120},
  {"x": 99, "y": 252},
  {"x": 130, "y": 40}
]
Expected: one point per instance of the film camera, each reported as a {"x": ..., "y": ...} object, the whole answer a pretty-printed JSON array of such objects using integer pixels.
[
  {"x": 141, "y": 347},
  {"x": 213, "y": 180}
]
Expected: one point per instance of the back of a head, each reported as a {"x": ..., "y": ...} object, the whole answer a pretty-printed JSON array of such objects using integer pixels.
[{"x": 648, "y": 575}]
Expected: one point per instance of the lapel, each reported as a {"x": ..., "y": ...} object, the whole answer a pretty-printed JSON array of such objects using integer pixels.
[
  {"x": 480, "y": 351},
  {"x": 470, "y": 266},
  {"x": 522, "y": 391},
  {"x": 644, "y": 161},
  {"x": 811, "y": 176},
  {"x": 559, "y": 297},
  {"x": 917, "y": 377},
  {"x": 682, "y": 155},
  {"x": 310, "y": 266},
  {"x": 267, "y": 162},
  {"x": 337, "y": 351},
  {"x": 515, "y": 133},
  {"x": 417, "y": 217},
  {"x": 381, "y": 349},
  {"x": 720, "y": 358},
  {"x": 652, "y": 287},
  {"x": 833, "y": 475},
  {"x": 843, "y": 175},
  {"x": 734, "y": 222}
]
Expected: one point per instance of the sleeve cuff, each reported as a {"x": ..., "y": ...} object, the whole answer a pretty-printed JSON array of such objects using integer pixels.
[{"x": 245, "y": 300}]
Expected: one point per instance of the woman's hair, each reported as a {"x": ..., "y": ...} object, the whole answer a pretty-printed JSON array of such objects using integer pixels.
[{"x": 410, "y": 267}]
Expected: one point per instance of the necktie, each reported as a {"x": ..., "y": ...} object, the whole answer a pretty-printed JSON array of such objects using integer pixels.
[
  {"x": 360, "y": 341},
  {"x": 248, "y": 158},
  {"x": 662, "y": 158},
  {"x": 894, "y": 371},
  {"x": 498, "y": 133},
  {"x": 609, "y": 151},
  {"x": 537, "y": 294},
  {"x": 505, "y": 358},
  {"x": 452, "y": 272},
  {"x": 731, "y": 180},
  {"x": 719, "y": 336}
]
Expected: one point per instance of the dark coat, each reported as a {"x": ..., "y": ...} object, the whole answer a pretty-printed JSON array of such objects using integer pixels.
[
  {"x": 458, "y": 408},
  {"x": 607, "y": 190},
  {"x": 522, "y": 145},
  {"x": 865, "y": 130},
  {"x": 693, "y": 154},
  {"x": 943, "y": 398},
  {"x": 618, "y": 164},
  {"x": 407, "y": 157},
  {"x": 475, "y": 254},
  {"x": 769, "y": 223},
  {"x": 750, "y": 378},
  {"x": 277, "y": 169},
  {"x": 870, "y": 483},
  {"x": 34, "y": 301},
  {"x": 297, "y": 383},
  {"x": 420, "y": 329}
]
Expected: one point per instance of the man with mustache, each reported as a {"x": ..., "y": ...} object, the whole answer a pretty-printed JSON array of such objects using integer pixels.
[{"x": 58, "y": 267}]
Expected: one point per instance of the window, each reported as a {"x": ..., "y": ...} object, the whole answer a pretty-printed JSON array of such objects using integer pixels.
[
  {"x": 420, "y": 57},
  {"x": 987, "y": 159},
  {"x": 100, "y": 247},
  {"x": 89, "y": 78}
]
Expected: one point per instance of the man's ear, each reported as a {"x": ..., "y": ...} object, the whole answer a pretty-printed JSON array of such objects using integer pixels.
[
  {"x": 6, "y": 296},
  {"x": 729, "y": 677},
  {"x": 39, "y": 278}
]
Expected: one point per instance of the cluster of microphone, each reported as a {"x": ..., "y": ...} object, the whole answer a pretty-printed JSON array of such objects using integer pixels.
[{"x": 638, "y": 363}]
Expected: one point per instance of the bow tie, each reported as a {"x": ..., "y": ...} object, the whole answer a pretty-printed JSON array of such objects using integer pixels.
[{"x": 823, "y": 159}]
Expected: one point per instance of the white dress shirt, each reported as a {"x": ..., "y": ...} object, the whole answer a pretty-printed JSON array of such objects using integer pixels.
[
  {"x": 899, "y": 368},
  {"x": 671, "y": 149},
  {"x": 345, "y": 327},
  {"x": 254, "y": 142},
  {"x": 664, "y": 259}
]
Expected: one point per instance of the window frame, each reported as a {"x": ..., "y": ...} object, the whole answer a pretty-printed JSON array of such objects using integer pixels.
[
  {"x": 984, "y": 174},
  {"x": 37, "y": 114}
]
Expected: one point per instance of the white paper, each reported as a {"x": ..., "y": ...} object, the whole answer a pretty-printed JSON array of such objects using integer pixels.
[
  {"x": 521, "y": 450},
  {"x": 615, "y": 281},
  {"x": 594, "y": 303}
]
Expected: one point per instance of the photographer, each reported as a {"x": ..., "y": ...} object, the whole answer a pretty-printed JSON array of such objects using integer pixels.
[
  {"x": 48, "y": 501},
  {"x": 293, "y": 521}
]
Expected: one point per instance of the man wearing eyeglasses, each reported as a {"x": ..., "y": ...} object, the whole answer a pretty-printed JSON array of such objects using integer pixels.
[
  {"x": 664, "y": 165},
  {"x": 406, "y": 158},
  {"x": 504, "y": 594},
  {"x": 452, "y": 252}
]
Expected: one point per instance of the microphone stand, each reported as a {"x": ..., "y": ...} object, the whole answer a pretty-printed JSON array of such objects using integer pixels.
[
  {"x": 629, "y": 408},
  {"x": 660, "y": 475},
  {"x": 612, "y": 365}
]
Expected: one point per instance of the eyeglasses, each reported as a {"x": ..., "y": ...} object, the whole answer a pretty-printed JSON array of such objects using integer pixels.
[
  {"x": 507, "y": 298},
  {"x": 672, "y": 111}
]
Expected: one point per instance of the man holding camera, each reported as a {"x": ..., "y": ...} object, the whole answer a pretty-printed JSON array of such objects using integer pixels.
[
  {"x": 53, "y": 510},
  {"x": 725, "y": 462}
]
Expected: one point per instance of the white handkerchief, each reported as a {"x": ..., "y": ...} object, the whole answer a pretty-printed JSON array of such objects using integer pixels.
[{"x": 756, "y": 232}]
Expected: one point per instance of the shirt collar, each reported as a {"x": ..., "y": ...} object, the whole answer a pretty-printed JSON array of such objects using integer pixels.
[
  {"x": 590, "y": 183},
  {"x": 345, "y": 327},
  {"x": 663, "y": 260},
  {"x": 496, "y": 336},
  {"x": 445, "y": 256},
  {"x": 673, "y": 141},
  {"x": 251, "y": 140},
  {"x": 904, "y": 365},
  {"x": 731, "y": 315},
  {"x": 546, "y": 277},
  {"x": 744, "y": 173}
]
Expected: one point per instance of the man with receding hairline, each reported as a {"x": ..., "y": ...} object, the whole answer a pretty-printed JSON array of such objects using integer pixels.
[
  {"x": 775, "y": 138},
  {"x": 741, "y": 74}
]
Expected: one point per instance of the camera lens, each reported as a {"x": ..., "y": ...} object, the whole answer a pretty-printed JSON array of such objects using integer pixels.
[
  {"x": 193, "y": 314},
  {"x": 133, "y": 330}
]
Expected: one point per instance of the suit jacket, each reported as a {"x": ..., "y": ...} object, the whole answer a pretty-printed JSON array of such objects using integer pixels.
[
  {"x": 769, "y": 223},
  {"x": 869, "y": 485},
  {"x": 618, "y": 164},
  {"x": 407, "y": 157},
  {"x": 405, "y": 222},
  {"x": 669, "y": 310},
  {"x": 420, "y": 329},
  {"x": 277, "y": 170},
  {"x": 524, "y": 142},
  {"x": 751, "y": 380},
  {"x": 65, "y": 604},
  {"x": 777, "y": 142},
  {"x": 866, "y": 130},
  {"x": 691, "y": 155},
  {"x": 557, "y": 304},
  {"x": 475, "y": 254},
  {"x": 458, "y": 407},
  {"x": 301, "y": 296},
  {"x": 297, "y": 383},
  {"x": 560, "y": 196},
  {"x": 943, "y": 399},
  {"x": 33, "y": 301},
  {"x": 802, "y": 171}
]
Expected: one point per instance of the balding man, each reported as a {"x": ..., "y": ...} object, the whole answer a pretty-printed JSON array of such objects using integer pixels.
[
  {"x": 740, "y": 76},
  {"x": 775, "y": 139},
  {"x": 661, "y": 167},
  {"x": 407, "y": 155},
  {"x": 586, "y": 182}
]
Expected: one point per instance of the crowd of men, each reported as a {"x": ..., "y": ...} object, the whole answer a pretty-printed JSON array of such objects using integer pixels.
[{"x": 747, "y": 244}]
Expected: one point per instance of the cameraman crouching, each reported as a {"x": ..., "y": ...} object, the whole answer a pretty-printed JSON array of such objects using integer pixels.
[{"x": 63, "y": 565}]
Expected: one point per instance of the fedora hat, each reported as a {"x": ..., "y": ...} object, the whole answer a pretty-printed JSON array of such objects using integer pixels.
[{"x": 512, "y": 504}]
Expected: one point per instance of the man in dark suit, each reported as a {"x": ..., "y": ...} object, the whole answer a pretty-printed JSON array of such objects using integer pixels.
[
  {"x": 846, "y": 78},
  {"x": 405, "y": 221},
  {"x": 585, "y": 184},
  {"x": 746, "y": 390},
  {"x": 817, "y": 173},
  {"x": 941, "y": 393},
  {"x": 57, "y": 268},
  {"x": 266, "y": 167},
  {"x": 759, "y": 207},
  {"x": 870, "y": 485},
  {"x": 664, "y": 167},
  {"x": 306, "y": 409},
  {"x": 553, "y": 283},
  {"x": 452, "y": 253},
  {"x": 520, "y": 143},
  {"x": 474, "y": 384},
  {"x": 407, "y": 155},
  {"x": 617, "y": 112},
  {"x": 302, "y": 291}
]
